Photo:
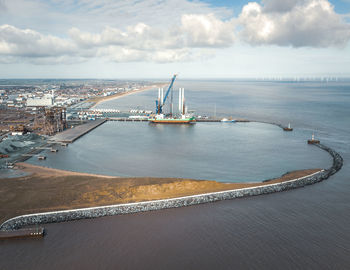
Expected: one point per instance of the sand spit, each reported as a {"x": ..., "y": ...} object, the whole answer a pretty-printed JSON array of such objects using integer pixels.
[{"x": 47, "y": 189}]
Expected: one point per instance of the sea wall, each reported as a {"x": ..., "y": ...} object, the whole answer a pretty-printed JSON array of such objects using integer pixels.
[{"x": 94, "y": 212}]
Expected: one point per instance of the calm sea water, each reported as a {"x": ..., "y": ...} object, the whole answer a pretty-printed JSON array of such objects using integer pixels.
[
  {"x": 217, "y": 151},
  {"x": 307, "y": 228}
]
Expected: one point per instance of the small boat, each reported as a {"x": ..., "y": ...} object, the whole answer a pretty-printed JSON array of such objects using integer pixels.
[
  {"x": 227, "y": 120},
  {"x": 289, "y": 128},
  {"x": 41, "y": 157}
]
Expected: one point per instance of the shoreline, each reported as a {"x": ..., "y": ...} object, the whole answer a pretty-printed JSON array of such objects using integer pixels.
[
  {"x": 100, "y": 100},
  {"x": 47, "y": 189},
  {"x": 56, "y": 216},
  {"x": 39, "y": 198},
  {"x": 42, "y": 171}
]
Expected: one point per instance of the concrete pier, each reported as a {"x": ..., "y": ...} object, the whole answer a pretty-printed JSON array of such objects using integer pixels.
[
  {"x": 23, "y": 233},
  {"x": 126, "y": 119},
  {"x": 70, "y": 135}
]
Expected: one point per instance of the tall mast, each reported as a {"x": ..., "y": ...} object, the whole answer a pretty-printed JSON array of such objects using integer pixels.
[
  {"x": 183, "y": 101},
  {"x": 180, "y": 92},
  {"x": 171, "y": 101}
]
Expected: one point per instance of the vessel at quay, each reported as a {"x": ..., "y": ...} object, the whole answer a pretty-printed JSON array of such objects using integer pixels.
[
  {"x": 171, "y": 120},
  {"x": 182, "y": 117}
]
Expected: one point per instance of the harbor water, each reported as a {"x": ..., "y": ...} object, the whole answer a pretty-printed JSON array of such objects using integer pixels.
[
  {"x": 227, "y": 152},
  {"x": 307, "y": 228}
]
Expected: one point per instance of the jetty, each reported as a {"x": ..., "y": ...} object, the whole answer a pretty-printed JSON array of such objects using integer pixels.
[
  {"x": 70, "y": 135},
  {"x": 126, "y": 119},
  {"x": 204, "y": 120},
  {"x": 23, "y": 233}
]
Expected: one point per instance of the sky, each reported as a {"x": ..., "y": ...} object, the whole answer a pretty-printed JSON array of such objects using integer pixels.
[{"x": 119, "y": 39}]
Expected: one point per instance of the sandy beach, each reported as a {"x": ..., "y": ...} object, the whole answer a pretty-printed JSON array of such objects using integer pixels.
[
  {"x": 41, "y": 171},
  {"x": 45, "y": 189},
  {"x": 100, "y": 100}
]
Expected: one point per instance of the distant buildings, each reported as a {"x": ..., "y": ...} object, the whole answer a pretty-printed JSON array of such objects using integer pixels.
[{"x": 46, "y": 101}]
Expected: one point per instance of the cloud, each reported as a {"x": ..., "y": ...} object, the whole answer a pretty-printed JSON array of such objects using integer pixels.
[
  {"x": 118, "y": 54},
  {"x": 186, "y": 37},
  {"x": 139, "y": 36},
  {"x": 139, "y": 42},
  {"x": 195, "y": 31},
  {"x": 300, "y": 23},
  {"x": 58, "y": 16},
  {"x": 29, "y": 43},
  {"x": 207, "y": 31}
]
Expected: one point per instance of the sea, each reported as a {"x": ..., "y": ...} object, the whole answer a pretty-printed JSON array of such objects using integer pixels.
[{"x": 306, "y": 228}]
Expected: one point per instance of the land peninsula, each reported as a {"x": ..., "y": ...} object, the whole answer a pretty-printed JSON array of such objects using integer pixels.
[{"x": 45, "y": 189}]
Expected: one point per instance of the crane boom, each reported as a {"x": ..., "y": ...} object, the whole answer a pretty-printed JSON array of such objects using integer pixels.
[{"x": 159, "y": 104}]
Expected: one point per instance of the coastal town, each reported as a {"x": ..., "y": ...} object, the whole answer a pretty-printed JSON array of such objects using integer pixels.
[
  {"x": 29, "y": 105},
  {"x": 33, "y": 110}
]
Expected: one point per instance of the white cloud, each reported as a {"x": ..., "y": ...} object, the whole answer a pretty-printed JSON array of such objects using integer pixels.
[
  {"x": 58, "y": 16},
  {"x": 300, "y": 23},
  {"x": 207, "y": 30},
  {"x": 29, "y": 43},
  {"x": 139, "y": 36},
  {"x": 195, "y": 31},
  {"x": 139, "y": 42},
  {"x": 163, "y": 31},
  {"x": 121, "y": 54}
]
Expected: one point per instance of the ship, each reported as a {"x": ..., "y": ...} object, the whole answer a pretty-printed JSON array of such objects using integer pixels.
[
  {"x": 183, "y": 117},
  {"x": 225, "y": 120},
  {"x": 159, "y": 119}
]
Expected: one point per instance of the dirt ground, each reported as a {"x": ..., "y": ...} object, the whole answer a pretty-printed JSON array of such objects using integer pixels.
[{"x": 46, "y": 189}]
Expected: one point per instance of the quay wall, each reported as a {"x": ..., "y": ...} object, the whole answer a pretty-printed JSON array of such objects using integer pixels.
[
  {"x": 70, "y": 135},
  {"x": 94, "y": 212}
]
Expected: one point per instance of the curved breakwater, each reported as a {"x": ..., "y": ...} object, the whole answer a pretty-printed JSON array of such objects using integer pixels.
[{"x": 94, "y": 212}]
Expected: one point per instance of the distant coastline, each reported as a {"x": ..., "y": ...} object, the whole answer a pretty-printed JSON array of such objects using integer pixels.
[{"x": 100, "y": 100}]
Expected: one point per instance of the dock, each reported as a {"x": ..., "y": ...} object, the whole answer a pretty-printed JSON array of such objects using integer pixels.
[
  {"x": 126, "y": 119},
  {"x": 23, "y": 233},
  {"x": 207, "y": 120},
  {"x": 70, "y": 135}
]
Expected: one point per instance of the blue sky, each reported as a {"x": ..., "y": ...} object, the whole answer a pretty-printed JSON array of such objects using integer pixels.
[
  {"x": 341, "y": 6},
  {"x": 155, "y": 38}
]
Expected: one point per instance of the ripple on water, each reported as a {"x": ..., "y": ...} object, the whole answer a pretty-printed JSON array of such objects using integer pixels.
[{"x": 228, "y": 152}]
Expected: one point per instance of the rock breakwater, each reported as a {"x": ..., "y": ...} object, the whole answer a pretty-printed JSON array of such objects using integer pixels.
[{"x": 94, "y": 212}]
